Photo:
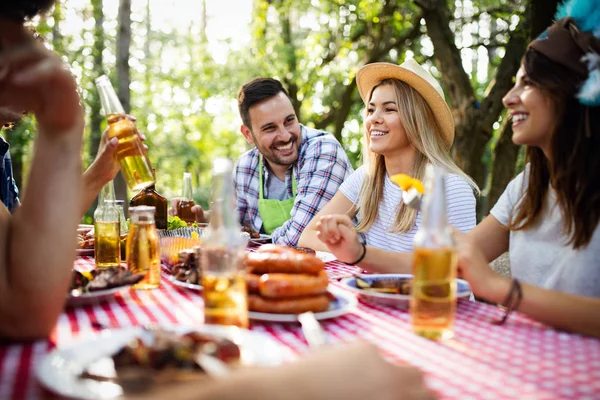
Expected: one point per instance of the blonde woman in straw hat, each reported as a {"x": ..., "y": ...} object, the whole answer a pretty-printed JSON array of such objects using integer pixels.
[{"x": 407, "y": 124}]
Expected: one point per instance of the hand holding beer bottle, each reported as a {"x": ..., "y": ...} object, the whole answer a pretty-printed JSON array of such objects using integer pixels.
[
  {"x": 433, "y": 300},
  {"x": 130, "y": 151}
]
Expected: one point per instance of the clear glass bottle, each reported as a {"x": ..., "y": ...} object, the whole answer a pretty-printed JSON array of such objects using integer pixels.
[
  {"x": 143, "y": 247},
  {"x": 150, "y": 197},
  {"x": 225, "y": 296},
  {"x": 107, "y": 245},
  {"x": 184, "y": 209},
  {"x": 120, "y": 204},
  {"x": 130, "y": 152},
  {"x": 433, "y": 299}
]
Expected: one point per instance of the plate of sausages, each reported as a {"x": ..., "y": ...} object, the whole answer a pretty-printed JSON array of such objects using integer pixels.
[{"x": 283, "y": 282}]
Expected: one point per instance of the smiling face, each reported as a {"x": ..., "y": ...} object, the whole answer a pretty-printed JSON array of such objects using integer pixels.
[
  {"x": 533, "y": 113},
  {"x": 384, "y": 130},
  {"x": 275, "y": 131}
]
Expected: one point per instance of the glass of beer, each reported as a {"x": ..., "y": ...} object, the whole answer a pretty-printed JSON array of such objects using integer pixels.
[
  {"x": 130, "y": 151},
  {"x": 143, "y": 247},
  {"x": 433, "y": 298}
]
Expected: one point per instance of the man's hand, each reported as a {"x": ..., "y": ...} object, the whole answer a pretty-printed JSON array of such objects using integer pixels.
[
  {"x": 340, "y": 237},
  {"x": 202, "y": 216}
]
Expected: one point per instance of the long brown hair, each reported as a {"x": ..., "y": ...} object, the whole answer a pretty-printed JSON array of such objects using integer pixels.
[
  {"x": 573, "y": 170},
  {"x": 424, "y": 134}
]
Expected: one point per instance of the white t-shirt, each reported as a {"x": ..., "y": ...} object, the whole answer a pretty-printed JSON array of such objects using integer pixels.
[
  {"x": 460, "y": 204},
  {"x": 540, "y": 256}
]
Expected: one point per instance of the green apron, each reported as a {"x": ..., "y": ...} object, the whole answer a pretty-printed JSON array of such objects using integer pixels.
[{"x": 274, "y": 213}]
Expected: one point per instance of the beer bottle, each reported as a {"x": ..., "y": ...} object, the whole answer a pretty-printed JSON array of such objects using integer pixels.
[
  {"x": 130, "y": 151},
  {"x": 184, "y": 208},
  {"x": 150, "y": 197},
  {"x": 433, "y": 299},
  {"x": 107, "y": 238},
  {"x": 224, "y": 287}
]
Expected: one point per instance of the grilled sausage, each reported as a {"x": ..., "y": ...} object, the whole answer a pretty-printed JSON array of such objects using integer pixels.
[
  {"x": 288, "y": 306},
  {"x": 292, "y": 285},
  {"x": 252, "y": 282},
  {"x": 291, "y": 262}
]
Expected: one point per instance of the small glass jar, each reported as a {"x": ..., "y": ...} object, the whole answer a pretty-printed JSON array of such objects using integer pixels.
[{"x": 143, "y": 247}]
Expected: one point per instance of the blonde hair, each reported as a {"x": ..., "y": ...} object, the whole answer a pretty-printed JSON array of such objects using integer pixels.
[{"x": 425, "y": 136}]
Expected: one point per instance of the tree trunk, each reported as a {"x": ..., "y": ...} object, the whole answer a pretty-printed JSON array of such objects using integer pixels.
[
  {"x": 123, "y": 77},
  {"x": 473, "y": 120},
  {"x": 57, "y": 38},
  {"x": 541, "y": 14},
  {"x": 291, "y": 59},
  {"x": 505, "y": 161}
]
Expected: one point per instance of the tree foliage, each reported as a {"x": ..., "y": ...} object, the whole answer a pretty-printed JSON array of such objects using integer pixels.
[{"x": 183, "y": 93}]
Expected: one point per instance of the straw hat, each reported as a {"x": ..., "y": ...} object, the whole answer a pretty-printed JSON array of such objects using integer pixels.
[{"x": 419, "y": 79}]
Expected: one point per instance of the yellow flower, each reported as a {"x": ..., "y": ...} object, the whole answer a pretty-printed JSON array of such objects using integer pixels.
[
  {"x": 195, "y": 235},
  {"x": 402, "y": 180},
  {"x": 406, "y": 183}
]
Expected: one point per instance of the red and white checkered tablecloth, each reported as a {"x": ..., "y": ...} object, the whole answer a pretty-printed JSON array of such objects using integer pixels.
[{"x": 522, "y": 359}]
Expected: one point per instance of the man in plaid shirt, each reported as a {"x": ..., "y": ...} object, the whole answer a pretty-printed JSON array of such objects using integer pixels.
[{"x": 300, "y": 171}]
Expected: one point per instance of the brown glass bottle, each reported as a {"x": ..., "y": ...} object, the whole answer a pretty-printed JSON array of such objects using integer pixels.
[
  {"x": 184, "y": 209},
  {"x": 150, "y": 197}
]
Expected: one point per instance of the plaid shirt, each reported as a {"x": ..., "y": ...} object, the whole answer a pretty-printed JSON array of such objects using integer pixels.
[
  {"x": 321, "y": 167},
  {"x": 9, "y": 193}
]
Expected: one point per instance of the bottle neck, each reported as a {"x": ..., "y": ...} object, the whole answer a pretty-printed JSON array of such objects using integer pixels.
[
  {"x": 187, "y": 188},
  {"x": 434, "y": 202},
  {"x": 107, "y": 194}
]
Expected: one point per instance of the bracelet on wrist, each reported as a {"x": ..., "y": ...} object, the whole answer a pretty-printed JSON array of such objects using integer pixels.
[
  {"x": 512, "y": 302},
  {"x": 364, "y": 253}
]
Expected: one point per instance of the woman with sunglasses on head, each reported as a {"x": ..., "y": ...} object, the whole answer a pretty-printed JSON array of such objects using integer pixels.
[{"x": 407, "y": 124}]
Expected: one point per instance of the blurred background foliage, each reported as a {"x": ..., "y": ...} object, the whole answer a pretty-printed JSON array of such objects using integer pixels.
[{"x": 180, "y": 79}]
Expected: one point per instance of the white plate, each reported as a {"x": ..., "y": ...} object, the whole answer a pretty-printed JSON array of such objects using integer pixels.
[
  {"x": 344, "y": 303},
  {"x": 59, "y": 370},
  {"x": 325, "y": 256},
  {"x": 401, "y": 301},
  {"x": 262, "y": 239},
  {"x": 192, "y": 286},
  {"x": 97, "y": 296}
]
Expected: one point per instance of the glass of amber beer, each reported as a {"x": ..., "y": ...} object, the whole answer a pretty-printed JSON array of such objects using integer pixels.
[
  {"x": 130, "y": 151},
  {"x": 433, "y": 299}
]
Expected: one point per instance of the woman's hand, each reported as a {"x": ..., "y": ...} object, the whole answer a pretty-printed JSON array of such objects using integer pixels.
[
  {"x": 106, "y": 166},
  {"x": 34, "y": 79},
  {"x": 340, "y": 237},
  {"x": 473, "y": 267}
]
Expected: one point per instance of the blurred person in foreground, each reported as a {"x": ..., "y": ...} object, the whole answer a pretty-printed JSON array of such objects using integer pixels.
[
  {"x": 292, "y": 171},
  {"x": 548, "y": 216},
  {"x": 33, "y": 283},
  {"x": 350, "y": 372}
]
